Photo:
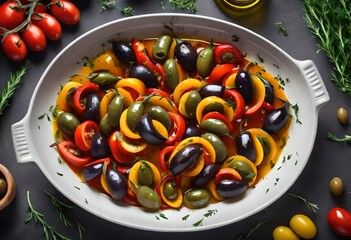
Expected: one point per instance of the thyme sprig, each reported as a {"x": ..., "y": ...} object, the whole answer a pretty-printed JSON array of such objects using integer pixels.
[
  {"x": 106, "y": 4},
  {"x": 327, "y": 21},
  {"x": 313, "y": 206},
  {"x": 59, "y": 205},
  {"x": 252, "y": 230},
  {"x": 49, "y": 231},
  {"x": 281, "y": 28},
  {"x": 183, "y": 5},
  {"x": 13, "y": 82}
]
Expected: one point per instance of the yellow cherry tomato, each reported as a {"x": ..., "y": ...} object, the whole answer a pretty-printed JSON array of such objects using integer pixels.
[
  {"x": 303, "y": 226},
  {"x": 284, "y": 233}
]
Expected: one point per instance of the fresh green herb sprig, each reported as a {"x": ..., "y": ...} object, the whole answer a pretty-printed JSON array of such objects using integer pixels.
[
  {"x": 183, "y": 5},
  {"x": 313, "y": 206},
  {"x": 345, "y": 139},
  {"x": 281, "y": 28},
  {"x": 9, "y": 89},
  {"x": 329, "y": 22},
  {"x": 251, "y": 231},
  {"x": 106, "y": 4},
  {"x": 59, "y": 205},
  {"x": 49, "y": 231}
]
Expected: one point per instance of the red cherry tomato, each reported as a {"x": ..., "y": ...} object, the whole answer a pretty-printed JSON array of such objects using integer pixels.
[
  {"x": 72, "y": 155},
  {"x": 40, "y": 8},
  {"x": 65, "y": 11},
  {"x": 11, "y": 15},
  {"x": 49, "y": 25},
  {"x": 14, "y": 47},
  {"x": 34, "y": 38},
  {"x": 339, "y": 220},
  {"x": 84, "y": 133}
]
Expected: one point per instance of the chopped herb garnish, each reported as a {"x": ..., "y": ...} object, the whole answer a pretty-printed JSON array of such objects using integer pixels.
[
  {"x": 295, "y": 107},
  {"x": 162, "y": 215},
  {"x": 251, "y": 231},
  {"x": 106, "y": 4},
  {"x": 183, "y": 5},
  {"x": 313, "y": 206},
  {"x": 185, "y": 217},
  {"x": 345, "y": 139},
  {"x": 260, "y": 58},
  {"x": 60, "y": 174},
  {"x": 127, "y": 11},
  {"x": 210, "y": 213},
  {"x": 281, "y": 28},
  {"x": 198, "y": 223}
]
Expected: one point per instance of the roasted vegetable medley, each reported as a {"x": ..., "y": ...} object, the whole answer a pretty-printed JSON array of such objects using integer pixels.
[{"x": 168, "y": 122}]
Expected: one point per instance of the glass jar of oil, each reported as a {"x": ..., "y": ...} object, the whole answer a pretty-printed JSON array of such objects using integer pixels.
[{"x": 239, "y": 7}]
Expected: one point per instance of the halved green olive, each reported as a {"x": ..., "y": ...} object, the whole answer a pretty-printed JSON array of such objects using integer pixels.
[
  {"x": 170, "y": 190},
  {"x": 161, "y": 48}
]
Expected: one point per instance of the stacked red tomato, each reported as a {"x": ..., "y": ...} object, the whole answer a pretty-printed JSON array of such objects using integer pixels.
[{"x": 28, "y": 24}]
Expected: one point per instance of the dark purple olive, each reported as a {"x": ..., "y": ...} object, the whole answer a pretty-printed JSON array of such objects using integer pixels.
[
  {"x": 269, "y": 95},
  {"x": 191, "y": 131},
  {"x": 92, "y": 170},
  {"x": 276, "y": 120},
  {"x": 123, "y": 51},
  {"x": 229, "y": 188},
  {"x": 186, "y": 55},
  {"x": 244, "y": 86},
  {"x": 117, "y": 184},
  {"x": 206, "y": 175},
  {"x": 185, "y": 158},
  {"x": 147, "y": 130},
  {"x": 99, "y": 147},
  {"x": 211, "y": 90},
  {"x": 245, "y": 145},
  {"x": 144, "y": 74},
  {"x": 92, "y": 107}
]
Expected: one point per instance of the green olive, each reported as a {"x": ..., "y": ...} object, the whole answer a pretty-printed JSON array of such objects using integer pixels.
[
  {"x": 342, "y": 115},
  {"x": 265, "y": 145},
  {"x": 148, "y": 198},
  {"x": 171, "y": 73},
  {"x": 205, "y": 62},
  {"x": 197, "y": 198},
  {"x": 70, "y": 94},
  {"x": 214, "y": 125},
  {"x": 67, "y": 122},
  {"x": 145, "y": 175},
  {"x": 115, "y": 109},
  {"x": 336, "y": 186},
  {"x": 3, "y": 187},
  {"x": 244, "y": 169},
  {"x": 160, "y": 114},
  {"x": 161, "y": 48},
  {"x": 218, "y": 145},
  {"x": 213, "y": 107},
  {"x": 194, "y": 98},
  {"x": 134, "y": 113},
  {"x": 105, "y": 126},
  {"x": 170, "y": 190},
  {"x": 103, "y": 78}
]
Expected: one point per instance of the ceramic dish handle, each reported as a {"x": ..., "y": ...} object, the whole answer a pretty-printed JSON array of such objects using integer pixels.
[
  {"x": 21, "y": 141},
  {"x": 314, "y": 81}
]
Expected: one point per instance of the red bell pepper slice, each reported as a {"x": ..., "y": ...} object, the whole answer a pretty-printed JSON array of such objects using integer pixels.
[
  {"x": 227, "y": 173},
  {"x": 219, "y": 116},
  {"x": 84, "y": 133},
  {"x": 143, "y": 58},
  {"x": 116, "y": 150},
  {"x": 80, "y": 94},
  {"x": 163, "y": 155},
  {"x": 227, "y": 53},
  {"x": 219, "y": 72},
  {"x": 239, "y": 102},
  {"x": 178, "y": 128},
  {"x": 72, "y": 154}
]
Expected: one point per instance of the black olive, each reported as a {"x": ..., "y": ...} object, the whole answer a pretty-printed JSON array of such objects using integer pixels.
[
  {"x": 244, "y": 86},
  {"x": 206, "y": 175},
  {"x": 229, "y": 188},
  {"x": 269, "y": 95},
  {"x": 92, "y": 107},
  {"x": 144, "y": 74},
  {"x": 245, "y": 145},
  {"x": 276, "y": 120},
  {"x": 211, "y": 90},
  {"x": 117, "y": 184},
  {"x": 186, "y": 55},
  {"x": 191, "y": 131},
  {"x": 185, "y": 158},
  {"x": 147, "y": 130},
  {"x": 123, "y": 51},
  {"x": 92, "y": 171},
  {"x": 99, "y": 147}
]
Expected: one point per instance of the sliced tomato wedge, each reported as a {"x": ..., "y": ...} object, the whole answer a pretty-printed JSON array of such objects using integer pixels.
[
  {"x": 72, "y": 154},
  {"x": 84, "y": 133}
]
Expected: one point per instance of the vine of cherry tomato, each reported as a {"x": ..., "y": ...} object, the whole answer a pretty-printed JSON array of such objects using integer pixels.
[{"x": 27, "y": 25}]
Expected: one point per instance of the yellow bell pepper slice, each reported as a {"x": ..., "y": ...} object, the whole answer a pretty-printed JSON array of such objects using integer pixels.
[
  {"x": 61, "y": 102},
  {"x": 175, "y": 203},
  {"x": 125, "y": 129},
  {"x": 132, "y": 83},
  {"x": 163, "y": 102},
  {"x": 185, "y": 86},
  {"x": 108, "y": 62},
  {"x": 228, "y": 110},
  {"x": 79, "y": 77}
]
